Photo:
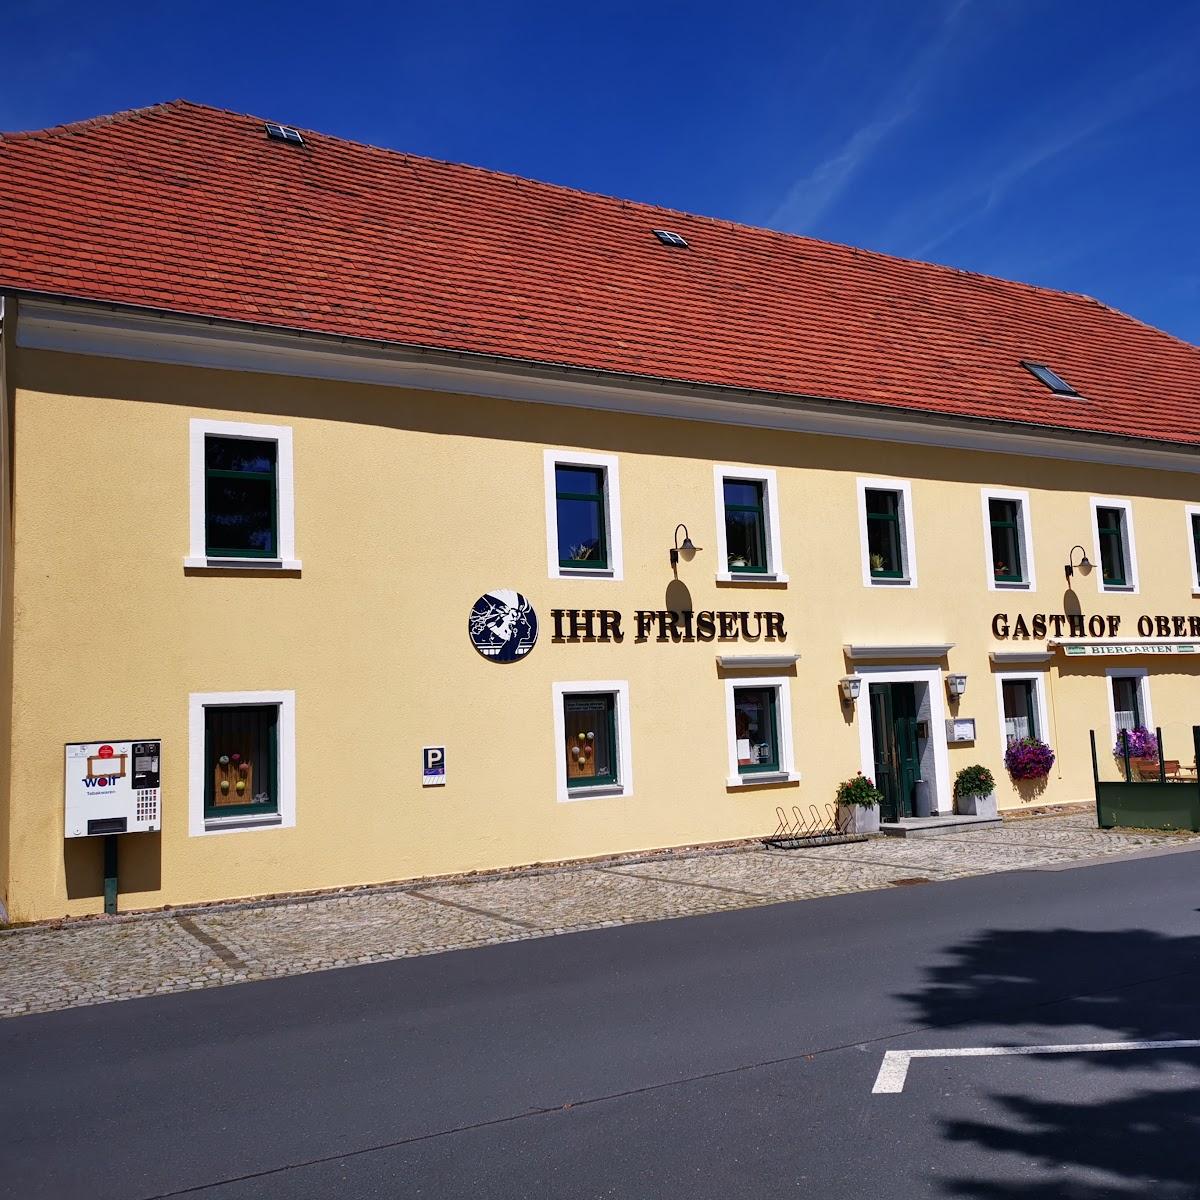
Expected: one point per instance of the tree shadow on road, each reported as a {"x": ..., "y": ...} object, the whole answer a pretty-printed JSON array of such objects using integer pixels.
[{"x": 1121, "y": 986}]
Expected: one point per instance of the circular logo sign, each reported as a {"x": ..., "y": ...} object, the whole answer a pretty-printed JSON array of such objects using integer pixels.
[{"x": 503, "y": 625}]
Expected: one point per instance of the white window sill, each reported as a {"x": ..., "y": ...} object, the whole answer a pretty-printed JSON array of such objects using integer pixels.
[
  {"x": 594, "y": 793},
  {"x": 585, "y": 573},
  {"x": 758, "y": 778},
  {"x": 241, "y": 564},
  {"x": 242, "y": 821},
  {"x": 751, "y": 577}
]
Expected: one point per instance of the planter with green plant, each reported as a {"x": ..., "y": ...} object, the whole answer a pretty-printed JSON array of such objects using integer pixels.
[
  {"x": 975, "y": 792},
  {"x": 858, "y": 805}
]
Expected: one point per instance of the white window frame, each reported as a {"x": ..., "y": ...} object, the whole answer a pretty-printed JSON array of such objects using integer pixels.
[
  {"x": 619, "y": 689},
  {"x": 1142, "y": 676},
  {"x": 612, "y": 514},
  {"x": 1131, "y": 586},
  {"x": 787, "y": 772},
  {"x": 198, "y": 557},
  {"x": 908, "y": 541},
  {"x": 1039, "y": 697},
  {"x": 1024, "y": 535},
  {"x": 1190, "y": 511},
  {"x": 767, "y": 477},
  {"x": 285, "y": 817}
]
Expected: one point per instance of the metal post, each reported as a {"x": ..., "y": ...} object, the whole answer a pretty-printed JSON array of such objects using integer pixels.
[
  {"x": 1095, "y": 774},
  {"x": 110, "y": 874},
  {"x": 1162, "y": 758},
  {"x": 1125, "y": 751}
]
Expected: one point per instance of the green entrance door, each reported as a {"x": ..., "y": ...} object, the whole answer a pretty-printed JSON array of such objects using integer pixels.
[{"x": 894, "y": 738}]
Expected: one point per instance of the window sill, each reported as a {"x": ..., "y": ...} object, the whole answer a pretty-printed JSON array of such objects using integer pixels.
[
  {"x": 243, "y": 821},
  {"x": 1014, "y": 585},
  {"x": 192, "y": 563},
  {"x": 585, "y": 573},
  {"x": 1129, "y": 589},
  {"x": 752, "y": 577},
  {"x": 759, "y": 778},
  {"x": 592, "y": 793},
  {"x": 899, "y": 581}
]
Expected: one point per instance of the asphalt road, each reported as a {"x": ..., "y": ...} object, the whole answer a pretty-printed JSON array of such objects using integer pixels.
[{"x": 722, "y": 1056}]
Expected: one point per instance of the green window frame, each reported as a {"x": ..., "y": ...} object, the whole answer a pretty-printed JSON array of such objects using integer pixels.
[
  {"x": 737, "y": 509},
  {"x": 1026, "y": 691},
  {"x": 581, "y": 485},
  {"x": 885, "y": 532},
  {"x": 766, "y": 699},
  {"x": 588, "y": 717},
  {"x": 1114, "y": 551},
  {"x": 222, "y": 483},
  {"x": 246, "y": 736},
  {"x": 1008, "y": 565}
]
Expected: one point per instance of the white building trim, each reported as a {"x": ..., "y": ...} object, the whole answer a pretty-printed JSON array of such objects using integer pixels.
[
  {"x": 285, "y": 818},
  {"x": 612, "y": 514},
  {"x": 1130, "y": 587},
  {"x": 1193, "y": 511},
  {"x": 79, "y": 328},
  {"x": 771, "y": 516},
  {"x": 1141, "y": 677},
  {"x": 908, "y": 539},
  {"x": 1039, "y": 698},
  {"x": 618, "y": 688},
  {"x": 943, "y": 793},
  {"x": 1024, "y": 540},
  {"x": 197, "y": 556},
  {"x": 787, "y": 772}
]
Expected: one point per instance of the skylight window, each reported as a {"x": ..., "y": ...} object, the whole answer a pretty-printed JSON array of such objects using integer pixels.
[
  {"x": 670, "y": 239},
  {"x": 1056, "y": 383},
  {"x": 284, "y": 133}
]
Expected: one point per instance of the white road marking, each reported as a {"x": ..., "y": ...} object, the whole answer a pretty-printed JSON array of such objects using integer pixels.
[{"x": 893, "y": 1071}]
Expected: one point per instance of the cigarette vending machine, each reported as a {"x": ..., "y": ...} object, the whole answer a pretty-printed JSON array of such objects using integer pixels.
[{"x": 112, "y": 787}]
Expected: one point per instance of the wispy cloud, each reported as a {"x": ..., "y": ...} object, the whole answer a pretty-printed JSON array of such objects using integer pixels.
[
  {"x": 975, "y": 194},
  {"x": 812, "y": 195}
]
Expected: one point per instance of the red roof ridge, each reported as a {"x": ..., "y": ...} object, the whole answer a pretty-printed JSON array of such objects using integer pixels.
[
  {"x": 513, "y": 177},
  {"x": 186, "y": 208}
]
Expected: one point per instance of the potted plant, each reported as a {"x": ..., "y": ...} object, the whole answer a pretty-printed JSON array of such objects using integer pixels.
[
  {"x": 975, "y": 792},
  {"x": 1143, "y": 750},
  {"x": 1028, "y": 758},
  {"x": 858, "y": 805}
]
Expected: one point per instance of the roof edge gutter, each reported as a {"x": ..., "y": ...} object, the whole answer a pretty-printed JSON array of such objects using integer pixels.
[{"x": 784, "y": 402}]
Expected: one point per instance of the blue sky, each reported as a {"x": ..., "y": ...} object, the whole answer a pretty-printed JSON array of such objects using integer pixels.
[{"x": 1054, "y": 141}]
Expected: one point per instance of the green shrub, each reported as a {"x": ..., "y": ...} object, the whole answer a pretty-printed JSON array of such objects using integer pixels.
[
  {"x": 860, "y": 790},
  {"x": 974, "y": 781}
]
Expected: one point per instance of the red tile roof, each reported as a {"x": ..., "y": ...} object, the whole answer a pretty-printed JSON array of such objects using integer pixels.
[{"x": 194, "y": 210}]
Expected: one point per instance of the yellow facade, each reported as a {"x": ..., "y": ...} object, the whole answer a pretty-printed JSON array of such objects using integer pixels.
[{"x": 410, "y": 504}]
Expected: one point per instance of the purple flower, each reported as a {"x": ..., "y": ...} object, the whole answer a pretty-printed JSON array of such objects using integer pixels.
[
  {"x": 1028, "y": 758},
  {"x": 1142, "y": 743}
]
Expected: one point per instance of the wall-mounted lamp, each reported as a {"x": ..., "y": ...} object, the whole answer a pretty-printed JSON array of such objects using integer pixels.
[
  {"x": 685, "y": 548},
  {"x": 956, "y": 685},
  {"x": 851, "y": 685},
  {"x": 1085, "y": 567}
]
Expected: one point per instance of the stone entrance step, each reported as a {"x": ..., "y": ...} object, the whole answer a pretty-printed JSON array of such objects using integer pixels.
[{"x": 934, "y": 826}]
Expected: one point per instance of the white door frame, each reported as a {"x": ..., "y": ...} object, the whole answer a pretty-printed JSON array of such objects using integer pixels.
[{"x": 943, "y": 796}]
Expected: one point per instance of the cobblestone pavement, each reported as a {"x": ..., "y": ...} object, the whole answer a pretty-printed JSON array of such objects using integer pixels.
[{"x": 94, "y": 961}]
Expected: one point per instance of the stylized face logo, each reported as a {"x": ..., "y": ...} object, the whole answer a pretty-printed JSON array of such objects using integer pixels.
[{"x": 503, "y": 625}]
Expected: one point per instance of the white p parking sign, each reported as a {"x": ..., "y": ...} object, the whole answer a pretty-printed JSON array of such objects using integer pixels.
[{"x": 433, "y": 766}]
